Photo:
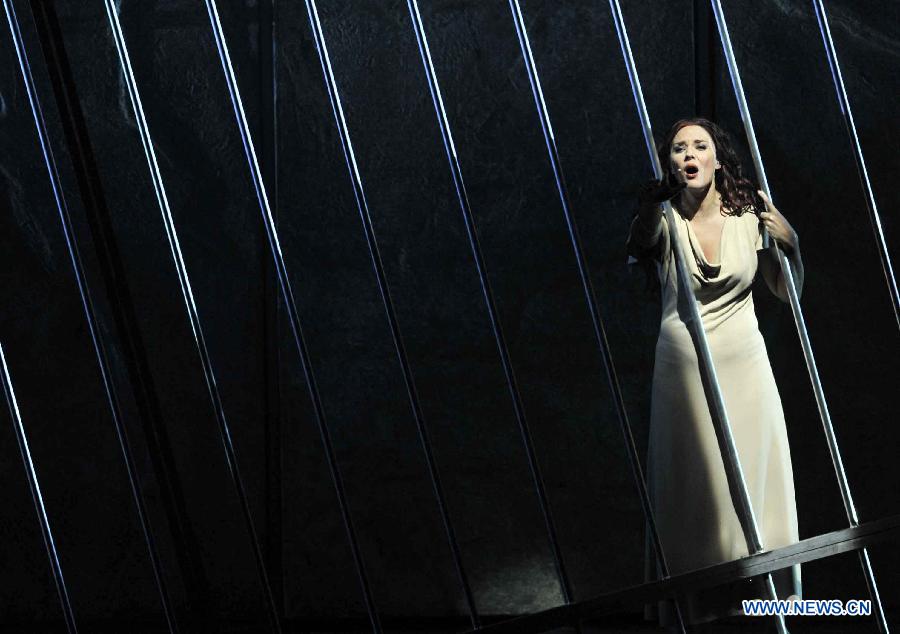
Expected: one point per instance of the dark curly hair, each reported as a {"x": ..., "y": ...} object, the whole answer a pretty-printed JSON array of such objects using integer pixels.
[{"x": 737, "y": 191}]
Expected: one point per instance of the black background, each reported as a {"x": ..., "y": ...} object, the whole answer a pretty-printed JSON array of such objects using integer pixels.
[{"x": 435, "y": 287}]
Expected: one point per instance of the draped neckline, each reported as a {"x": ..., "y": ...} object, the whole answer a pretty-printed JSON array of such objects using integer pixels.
[{"x": 707, "y": 269}]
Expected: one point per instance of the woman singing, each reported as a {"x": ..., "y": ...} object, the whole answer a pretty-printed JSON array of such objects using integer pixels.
[{"x": 718, "y": 220}]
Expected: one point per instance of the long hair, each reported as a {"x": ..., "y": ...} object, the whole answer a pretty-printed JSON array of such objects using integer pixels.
[{"x": 737, "y": 191}]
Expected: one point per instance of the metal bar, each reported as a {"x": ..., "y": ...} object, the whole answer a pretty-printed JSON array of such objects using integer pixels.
[
  {"x": 812, "y": 549},
  {"x": 502, "y": 347},
  {"x": 36, "y": 496},
  {"x": 800, "y": 323},
  {"x": 547, "y": 129},
  {"x": 271, "y": 357},
  {"x": 121, "y": 305},
  {"x": 190, "y": 305},
  {"x": 622, "y": 35},
  {"x": 733, "y": 470},
  {"x": 378, "y": 266},
  {"x": 850, "y": 125},
  {"x": 291, "y": 305},
  {"x": 468, "y": 217},
  {"x": 734, "y": 473},
  {"x": 90, "y": 316}
]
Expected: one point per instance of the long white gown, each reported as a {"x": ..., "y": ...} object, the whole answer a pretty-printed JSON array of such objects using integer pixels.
[{"x": 686, "y": 478}]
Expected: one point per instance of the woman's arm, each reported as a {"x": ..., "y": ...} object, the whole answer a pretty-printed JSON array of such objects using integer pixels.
[
  {"x": 647, "y": 225},
  {"x": 784, "y": 235},
  {"x": 772, "y": 274}
]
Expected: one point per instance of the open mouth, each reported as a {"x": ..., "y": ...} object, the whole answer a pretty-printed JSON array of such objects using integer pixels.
[{"x": 691, "y": 170}]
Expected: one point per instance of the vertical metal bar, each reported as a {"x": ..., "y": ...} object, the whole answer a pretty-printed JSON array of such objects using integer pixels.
[
  {"x": 122, "y": 309},
  {"x": 850, "y": 125},
  {"x": 731, "y": 460},
  {"x": 502, "y": 348},
  {"x": 518, "y": 21},
  {"x": 291, "y": 305},
  {"x": 36, "y": 497},
  {"x": 734, "y": 472},
  {"x": 271, "y": 357},
  {"x": 90, "y": 315},
  {"x": 587, "y": 286},
  {"x": 190, "y": 305},
  {"x": 824, "y": 414},
  {"x": 378, "y": 266},
  {"x": 597, "y": 321}
]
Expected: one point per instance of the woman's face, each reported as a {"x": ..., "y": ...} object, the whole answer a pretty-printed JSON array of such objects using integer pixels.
[{"x": 694, "y": 154}]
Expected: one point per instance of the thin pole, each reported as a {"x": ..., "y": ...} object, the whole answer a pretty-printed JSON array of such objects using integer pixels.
[
  {"x": 502, "y": 347},
  {"x": 190, "y": 305},
  {"x": 36, "y": 496},
  {"x": 272, "y": 418},
  {"x": 734, "y": 473},
  {"x": 90, "y": 315},
  {"x": 378, "y": 266},
  {"x": 850, "y": 125},
  {"x": 291, "y": 305},
  {"x": 824, "y": 414},
  {"x": 522, "y": 35},
  {"x": 121, "y": 305}
]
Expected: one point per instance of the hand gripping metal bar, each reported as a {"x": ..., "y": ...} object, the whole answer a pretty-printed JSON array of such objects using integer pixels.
[
  {"x": 736, "y": 483},
  {"x": 824, "y": 414}
]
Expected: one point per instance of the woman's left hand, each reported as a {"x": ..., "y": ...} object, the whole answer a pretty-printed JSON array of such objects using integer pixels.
[{"x": 778, "y": 226}]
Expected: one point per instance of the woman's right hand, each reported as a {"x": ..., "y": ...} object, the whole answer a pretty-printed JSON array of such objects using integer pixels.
[{"x": 659, "y": 191}]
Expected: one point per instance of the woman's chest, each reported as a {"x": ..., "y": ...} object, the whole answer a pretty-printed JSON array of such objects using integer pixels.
[
  {"x": 720, "y": 256},
  {"x": 709, "y": 237}
]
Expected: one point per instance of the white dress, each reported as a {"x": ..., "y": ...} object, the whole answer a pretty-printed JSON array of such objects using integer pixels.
[{"x": 689, "y": 493}]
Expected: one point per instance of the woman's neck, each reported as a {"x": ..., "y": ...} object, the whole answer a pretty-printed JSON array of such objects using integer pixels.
[{"x": 701, "y": 204}]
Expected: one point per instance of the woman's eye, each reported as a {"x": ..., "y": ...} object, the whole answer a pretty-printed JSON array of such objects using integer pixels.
[
  {"x": 701, "y": 147},
  {"x": 677, "y": 149}
]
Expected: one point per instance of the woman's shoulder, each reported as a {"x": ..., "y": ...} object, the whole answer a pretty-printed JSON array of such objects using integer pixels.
[
  {"x": 750, "y": 225},
  {"x": 747, "y": 216},
  {"x": 746, "y": 210}
]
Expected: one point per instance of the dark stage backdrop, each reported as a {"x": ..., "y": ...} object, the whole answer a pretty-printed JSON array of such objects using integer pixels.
[{"x": 434, "y": 283}]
